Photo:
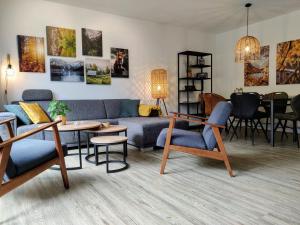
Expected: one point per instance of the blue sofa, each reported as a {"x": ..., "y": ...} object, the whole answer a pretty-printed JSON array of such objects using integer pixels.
[{"x": 142, "y": 131}]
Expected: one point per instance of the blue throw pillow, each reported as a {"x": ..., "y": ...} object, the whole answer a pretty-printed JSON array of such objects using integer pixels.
[
  {"x": 19, "y": 112},
  {"x": 129, "y": 108}
]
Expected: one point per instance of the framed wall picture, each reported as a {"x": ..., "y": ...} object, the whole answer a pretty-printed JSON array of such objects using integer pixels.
[
  {"x": 61, "y": 41},
  {"x": 97, "y": 71},
  {"x": 67, "y": 70},
  {"x": 119, "y": 63},
  {"x": 288, "y": 62},
  {"x": 91, "y": 42},
  {"x": 256, "y": 72},
  {"x": 31, "y": 54}
]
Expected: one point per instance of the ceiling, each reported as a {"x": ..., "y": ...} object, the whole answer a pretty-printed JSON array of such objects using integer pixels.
[{"x": 210, "y": 15}]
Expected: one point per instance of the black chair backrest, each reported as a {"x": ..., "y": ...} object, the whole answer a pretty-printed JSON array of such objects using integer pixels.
[
  {"x": 245, "y": 105},
  {"x": 295, "y": 104},
  {"x": 280, "y": 101}
]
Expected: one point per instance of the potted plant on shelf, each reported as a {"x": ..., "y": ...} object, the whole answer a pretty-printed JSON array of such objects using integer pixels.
[{"x": 58, "y": 111}]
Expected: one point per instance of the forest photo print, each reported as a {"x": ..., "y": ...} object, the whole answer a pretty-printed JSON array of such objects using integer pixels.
[{"x": 31, "y": 54}]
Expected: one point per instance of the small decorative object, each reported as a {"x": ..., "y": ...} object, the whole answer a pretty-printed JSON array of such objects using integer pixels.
[
  {"x": 97, "y": 71},
  {"x": 119, "y": 63},
  {"x": 256, "y": 72},
  {"x": 58, "y": 111},
  {"x": 91, "y": 42},
  {"x": 66, "y": 70},
  {"x": 202, "y": 75},
  {"x": 248, "y": 47},
  {"x": 106, "y": 124},
  {"x": 287, "y": 62},
  {"x": 190, "y": 87},
  {"x": 159, "y": 86},
  {"x": 238, "y": 90},
  {"x": 61, "y": 41},
  {"x": 189, "y": 72},
  {"x": 31, "y": 54},
  {"x": 201, "y": 61}
]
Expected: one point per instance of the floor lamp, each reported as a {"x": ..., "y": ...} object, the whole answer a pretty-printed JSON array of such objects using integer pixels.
[
  {"x": 159, "y": 86},
  {"x": 8, "y": 73}
]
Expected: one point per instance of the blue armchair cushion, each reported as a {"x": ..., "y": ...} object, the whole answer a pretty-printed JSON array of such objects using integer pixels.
[
  {"x": 28, "y": 154},
  {"x": 219, "y": 115},
  {"x": 129, "y": 108},
  {"x": 19, "y": 112},
  {"x": 182, "y": 138}
]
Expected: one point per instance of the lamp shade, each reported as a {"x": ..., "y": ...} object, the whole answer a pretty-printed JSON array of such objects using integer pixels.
[
  {"x": 159, "y": 83},
  {"x": 247, "y": 48}
]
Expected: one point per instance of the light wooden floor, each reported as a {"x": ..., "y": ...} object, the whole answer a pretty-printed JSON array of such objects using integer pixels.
[{"x": 266, "y": 190}]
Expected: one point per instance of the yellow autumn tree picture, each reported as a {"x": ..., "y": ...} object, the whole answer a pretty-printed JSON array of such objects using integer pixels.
[
  {"x": 288, "y": 62},
  {"x": 31, "y": 54}
]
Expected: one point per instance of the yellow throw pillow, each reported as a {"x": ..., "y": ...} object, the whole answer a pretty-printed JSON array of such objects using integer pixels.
[
  {"x": 35, "y": 112},
  {"x": 145, "y": 110}
]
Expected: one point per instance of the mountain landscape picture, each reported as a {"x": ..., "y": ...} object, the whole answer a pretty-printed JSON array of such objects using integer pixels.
[
  {"x": 256, "y": 72},
  {"x": 288, "y": 62},
  {"x": 97, "y": 71},
  {"x": 91, "y": 42},
  {"x": 66, "y": 70}
]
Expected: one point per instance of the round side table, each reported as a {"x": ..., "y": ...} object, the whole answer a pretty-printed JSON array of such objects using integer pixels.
[{"x": 106, "y": 141}]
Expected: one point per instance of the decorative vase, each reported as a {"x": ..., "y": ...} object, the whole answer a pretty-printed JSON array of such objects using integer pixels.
[{"x": 63, "y": 120}]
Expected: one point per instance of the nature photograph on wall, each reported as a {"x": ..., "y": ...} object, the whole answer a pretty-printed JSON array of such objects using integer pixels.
[
  {"x": 119, "y": 63},
  {"x": 91, "y": 42},
  {"x": 288, "y": 62},
  {"x": 66, "y": 70},
  {"x": 256, "y": 72},
  {"x": 97, "y": 71},
  {"x": 31, "y": 54},
  {"x": 61, "y": 41}
]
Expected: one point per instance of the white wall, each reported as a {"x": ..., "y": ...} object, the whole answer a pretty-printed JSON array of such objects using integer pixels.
[
  {"x": 150, "y": 45},
  {"x": 229, "y": 75}
]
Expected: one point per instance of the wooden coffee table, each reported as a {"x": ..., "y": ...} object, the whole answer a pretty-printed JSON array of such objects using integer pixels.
[
  {"x": 107, "y": 141},
  {"x": 77, "y": 126},
  {"x": 101, "y": 131}
]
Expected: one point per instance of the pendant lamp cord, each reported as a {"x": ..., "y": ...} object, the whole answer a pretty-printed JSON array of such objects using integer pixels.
[{"x": 247, "y": 19}]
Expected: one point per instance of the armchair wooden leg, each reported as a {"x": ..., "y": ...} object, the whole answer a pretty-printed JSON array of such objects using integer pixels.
[
  {"x": 60, "y": 154},
  {"x": 164, "y": 159}
]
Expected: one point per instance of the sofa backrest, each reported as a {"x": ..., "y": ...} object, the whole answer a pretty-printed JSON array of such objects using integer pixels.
[
  {"x": 81, "y": 109},
  {"x": 113, "y": 107}
]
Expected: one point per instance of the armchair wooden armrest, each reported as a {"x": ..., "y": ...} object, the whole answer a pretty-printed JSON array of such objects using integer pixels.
[
  {"x": 6, "y": 121},
  {"x": 188, "y": 115},
  {"x": 195, "y": 121},
  {"x": 28, "y": 133}
]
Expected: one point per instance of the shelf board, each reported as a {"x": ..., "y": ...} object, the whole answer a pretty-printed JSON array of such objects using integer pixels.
[
  {"x": 193, "y": 78},
  {"x": 189, "y": 90},
  {"x": 189, "y": 103},
  {"x": 193, "y": 53},
  {"x": 200, "y": 66}
]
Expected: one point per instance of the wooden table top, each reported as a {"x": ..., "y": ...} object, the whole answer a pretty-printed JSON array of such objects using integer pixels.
[
  {"x": 77, "y": 126},
  {"x": 104, "y": 140},
  {"x": 110, "y": 129}
]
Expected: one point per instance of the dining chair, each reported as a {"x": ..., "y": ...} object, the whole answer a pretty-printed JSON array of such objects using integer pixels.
[
  {"x": 21, "y": 158},
  {"x": 280, "y": 100},
  {"x": 245, "y": 109},
  {"x": 207, "y": 144},
  {"x": 291, "y": 116}
]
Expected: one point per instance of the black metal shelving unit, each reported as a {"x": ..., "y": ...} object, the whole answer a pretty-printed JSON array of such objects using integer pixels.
[{"x": 187, "y": 104}]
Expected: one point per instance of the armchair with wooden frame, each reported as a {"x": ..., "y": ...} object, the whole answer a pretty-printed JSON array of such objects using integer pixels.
[
  {"x": 207, "y": 144},
  {"x": 21, "y": 159}
]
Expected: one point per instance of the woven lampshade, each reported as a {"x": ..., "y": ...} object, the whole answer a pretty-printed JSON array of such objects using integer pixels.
[
  {"x": 247, "y": 48},
  {"x": 159, "y": 83}
]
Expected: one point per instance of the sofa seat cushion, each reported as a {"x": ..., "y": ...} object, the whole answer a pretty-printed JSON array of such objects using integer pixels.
[
  {"x": 28, "y": 154},
  {"x": 182, "y": 138},
  {"x": 143, "y": 131}
]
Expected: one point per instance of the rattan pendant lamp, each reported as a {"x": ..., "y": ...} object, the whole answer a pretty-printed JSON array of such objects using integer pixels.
[{"x": 248, "y": 47}]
